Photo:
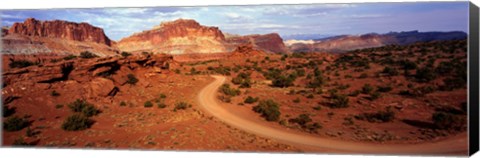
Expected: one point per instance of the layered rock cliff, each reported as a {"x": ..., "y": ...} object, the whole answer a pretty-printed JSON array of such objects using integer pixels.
[
  {"x": 176, "y": 37},
  {"x": 60, "y": 37},
  {"x": 270, "y": 43}
]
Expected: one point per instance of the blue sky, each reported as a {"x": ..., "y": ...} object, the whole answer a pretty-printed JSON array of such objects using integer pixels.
[{"x": 329, "y": 19}]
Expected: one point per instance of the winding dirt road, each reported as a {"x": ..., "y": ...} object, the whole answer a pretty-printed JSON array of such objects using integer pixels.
[{"x": 456, "y": 145}]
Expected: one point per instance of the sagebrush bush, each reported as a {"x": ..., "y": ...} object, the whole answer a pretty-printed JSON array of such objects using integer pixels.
[
  {"x": 147, "y": 104},
  {"x": 84, "y": 107},
  {"x": 250, "y": 100},
  {"x": 15, "y": 123},
  {"x": 269, "y": 109},
  {"x": 338, "y": 100},
  {"x": 379, "y": 116},
  {"x": 132, "y": 80},
  {"x": 87, "y": 55},
  {"x": 77, "y": 122},
  {"x": 181, "y": 106},
  {"x": 225, "y": 89}
]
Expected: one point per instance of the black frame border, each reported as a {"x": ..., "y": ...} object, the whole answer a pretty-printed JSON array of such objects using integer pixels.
[{"x": 473, "y": 94}]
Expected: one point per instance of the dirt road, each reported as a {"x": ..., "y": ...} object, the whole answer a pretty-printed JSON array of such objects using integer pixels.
[{"x": 456, "y": 145}]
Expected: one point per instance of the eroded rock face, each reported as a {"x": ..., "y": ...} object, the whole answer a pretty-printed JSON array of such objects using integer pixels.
[
  {"x": 270, "y": 43},
  {"x": 176, "y": 37},
  {"x": 61, "y": 29},
  {"x": 57, "y": 37}
]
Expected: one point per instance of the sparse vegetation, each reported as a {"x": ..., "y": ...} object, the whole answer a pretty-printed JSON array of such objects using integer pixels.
[
  {"x": 77, "y": 122},
  {"x": 250, "y": 100},
  {"x": 87, "y": 55},
  {"x": 21, "y": 63},
  {"x": 242, "y": 79},
  {"x": 126, "y": 54},
  {"x": 338, "y": 100},
  {"x": 123, "y": 103},
  {"x": 7, "y": 111},
  {"x": 367, "y": 89},
  {"x": 148, "y": 104},
  {"x": 132, "y": 80},
  {"x": 379, "y": 116},
  {"x": 15, "y": 123},
  {"x": 225, "y": 89},
  {"x": 84, "y": 107},
  {"x": 69, "y": 57},
  {"x": 181, "y": 106},
  {"x": 54, "y": 93},
  {"x": 269, "y": 109}
]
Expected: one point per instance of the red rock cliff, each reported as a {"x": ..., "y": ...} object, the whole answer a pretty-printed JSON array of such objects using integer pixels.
[
  {"x": 271, "y": 43},
  {"x": 83, "y": 32},
  {"x": 176, "y": 37}
]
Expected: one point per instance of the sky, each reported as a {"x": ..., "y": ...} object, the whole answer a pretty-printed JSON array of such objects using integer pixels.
[{"x": 326, "y": 19}]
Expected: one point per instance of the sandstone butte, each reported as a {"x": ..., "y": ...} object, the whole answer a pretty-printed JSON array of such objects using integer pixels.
[
  {"x": 58, "y": 37},
  {"x": 185, "y": 36}
]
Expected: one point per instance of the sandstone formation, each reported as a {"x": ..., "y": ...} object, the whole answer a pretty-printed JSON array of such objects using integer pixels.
[
  {"x": 176, "y": 37},
  {"x": 270, "y": 43},
  {"x": 61, "y": 37}
]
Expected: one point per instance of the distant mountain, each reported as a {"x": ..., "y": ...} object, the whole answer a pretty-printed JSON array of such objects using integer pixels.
[
  {"x": 304, "y": 36},
  {"x": 344, "y": 43}
]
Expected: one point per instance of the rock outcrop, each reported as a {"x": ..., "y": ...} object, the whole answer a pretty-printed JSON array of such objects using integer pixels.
[
  {"x": 61, "y": 37},
  {"x": 270, "y": 43},
  {"x": 176, "y": 37},
  {"x": 83, "y": 32}
]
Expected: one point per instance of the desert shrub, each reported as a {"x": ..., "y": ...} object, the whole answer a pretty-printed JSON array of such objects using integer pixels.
[
  {"x": 84, "y": 107},
  {"x": 313, "y": 127},
  {"x": 444, "y": 120},
  {"x": 132, "y": 80},
  {"x": 354, "y": 93},
  {"x": 268, "y": 109},
  {"x": 386, "y": 115},
  {"x": 7, "y": 111},
  {"x": 162, "y": 96},
  {"x": 87, "y": 55},
  {"x": 242, "y": 79},
  {"x": 126, "y": 54},
  {"x": 408, "y": 65},
  {"x": 21, "y": 63},
  {"x": 225, "y": 89},
  {"x": 58, "y": 106},
  {"x": 318, "y": 107},
  {"x": 69, "y": 57},
  {"x": 250, "y": 100},
  {"x": 348, "y": 121},
  {"x": 161, "y": 105},
  {"x": 20, "y": 142},
  {"x": 54, "y": 93},
  {"x": 77, "y": 122},
  {"x": 194, "y": 71},
  {"x": 283, "y": 81},
  {"x": 452, "y": 83},
  {"x": 90, "y": 111},
  {"x": 181, "y": 106},
  {"x": 318, "y": 80},
  {"x": 301, "y": 119},
  {"x": 147, "y": 104},
  {"x": 425, "y": 74},
  {"x": 390, "y": 71},
  {"x": 338, "y": 100},
  {"x": 15, "y": 123},
  {"x": 384, "y": 88},
  {"x": 123, "y": 103},
  {"x": 367, "y": 88},
  {"x": 374, "y": 95},
  {"x": 226, "y": 99}
]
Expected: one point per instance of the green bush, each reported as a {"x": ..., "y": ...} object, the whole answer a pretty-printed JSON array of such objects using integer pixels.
[
  {"x": 225, "y": 89},
  {"x": 84, "y": 107},
  {"x": 161, "y": 105},
  {"x": 425, "y": 74},
  {"x": 77, "y": 122},
  {"x": 123, "y": 103},
  {"x": 250, "y": 100},
  {"x": 54, "y": 93},
  {"x": 268, "y": 109},
  {"x": 21, "y": 63},
  {"x": 15, "y": 123},
  {"x": 242, "y": 79},
  {"x": 126, "y": 54},
  {"x": 147, "y": 104},
  {"x": 181, "y": 106},
  {"x": 87, "y": 55},
  {"x": 69, "y": 57},
  {"x": 367, "y": 88},
  {"x": 390, "y": 71},
  {"x": 132, "y": 80},
  {"x": 338, "y": 100},
  {"x": 283, "y": 81},
  {"x": 301, "y": 120}
]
